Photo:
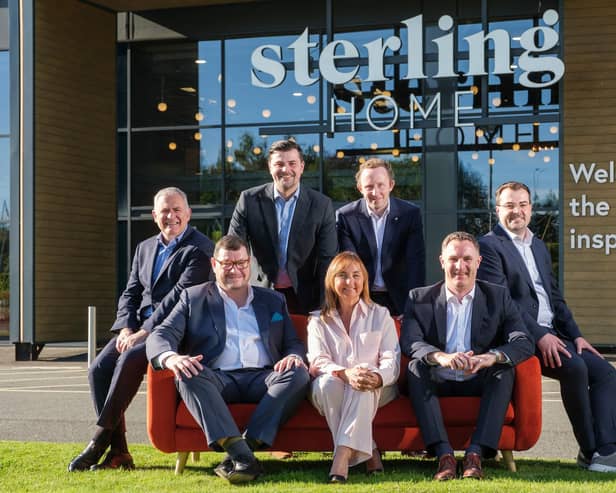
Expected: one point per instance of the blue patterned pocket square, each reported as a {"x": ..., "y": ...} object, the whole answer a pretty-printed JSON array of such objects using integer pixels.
[{"x": 276, "y": 317}]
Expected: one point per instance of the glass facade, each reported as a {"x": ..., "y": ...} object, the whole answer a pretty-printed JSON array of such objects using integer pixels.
[
  {"x": 4, "y": 171},
  {"x": 191, "y": 115}
]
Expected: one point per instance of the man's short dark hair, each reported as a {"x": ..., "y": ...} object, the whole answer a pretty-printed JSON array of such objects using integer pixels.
[
  {"x": 514, "y": 185},
  {"x": 459, "y": 236},
  {"x": 284, "y": 146},
  {"x": 231, "y": 242}
]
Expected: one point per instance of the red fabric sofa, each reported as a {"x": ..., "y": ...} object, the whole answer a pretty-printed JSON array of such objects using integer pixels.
[{"x": 171, "y": 428}]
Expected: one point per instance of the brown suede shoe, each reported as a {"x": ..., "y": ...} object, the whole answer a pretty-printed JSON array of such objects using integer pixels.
[
  {"x": 446, "y": 468},
  {"x": 472, "y": 466}
]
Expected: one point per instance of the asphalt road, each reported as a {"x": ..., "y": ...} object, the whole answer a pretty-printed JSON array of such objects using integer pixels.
[{"x": 49, "y": 401}]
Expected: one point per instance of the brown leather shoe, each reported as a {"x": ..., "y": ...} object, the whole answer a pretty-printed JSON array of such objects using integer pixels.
[
  {"x": 115, "y": 460},
  {"x": 472, "y": 466},
  {"x": 446, "y": 468}
]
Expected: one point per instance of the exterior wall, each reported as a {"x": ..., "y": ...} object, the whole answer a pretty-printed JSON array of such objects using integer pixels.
[
  {"x": 75, "y": 169},
  {"x": 590, "y": 137}
]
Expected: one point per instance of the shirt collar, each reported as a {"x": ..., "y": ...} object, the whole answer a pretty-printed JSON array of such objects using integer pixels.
[
  {"x": 528, "y": 237},
  {"x": 278, "y": 196},
  {"x": 173, "y": 242},
  {"x": 371, "y": 213},
  {"x": 470, "y": 296},
  {"x": 227, "y": 298}
]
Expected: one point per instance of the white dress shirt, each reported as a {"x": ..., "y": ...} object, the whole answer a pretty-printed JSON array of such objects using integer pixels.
[
  {"x": 545, "y": 316},
  {"x": 243, "y": 347}
]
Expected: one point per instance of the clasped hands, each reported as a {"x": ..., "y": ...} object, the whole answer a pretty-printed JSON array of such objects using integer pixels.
[
  {"x": 128, "y": 339},
  {"x": 468, "y": 361},
  {"x": 361, "y": 378}
]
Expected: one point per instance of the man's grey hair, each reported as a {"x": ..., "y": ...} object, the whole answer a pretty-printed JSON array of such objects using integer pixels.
[{"x": 170, "y": 191}]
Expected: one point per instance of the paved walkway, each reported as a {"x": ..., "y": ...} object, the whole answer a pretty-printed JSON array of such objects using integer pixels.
[{"x": 49, "y": 400}]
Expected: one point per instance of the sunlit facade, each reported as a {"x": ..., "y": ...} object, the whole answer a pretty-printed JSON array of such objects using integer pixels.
[{"x": 459, "y": 96}]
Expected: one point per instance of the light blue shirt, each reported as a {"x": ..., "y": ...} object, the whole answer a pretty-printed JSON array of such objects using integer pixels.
[
  {"x": 284, "y": 213},
  {"x": 162, "y": 254},
  {"x": 378, "y": 224},
  {"x": 459, "y": 317}
]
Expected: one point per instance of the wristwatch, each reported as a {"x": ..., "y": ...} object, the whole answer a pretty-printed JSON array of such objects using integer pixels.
[{"x": 500, "y": 356}]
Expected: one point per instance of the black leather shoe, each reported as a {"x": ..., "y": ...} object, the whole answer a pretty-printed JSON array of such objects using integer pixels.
[
  {"x": 245, "y": 469},
  {"x": 86, "y": 459},
  {"x": 115, "y": 460},
  {"x": 337, "y": 478},
  {"x": 224, "y": 468}
]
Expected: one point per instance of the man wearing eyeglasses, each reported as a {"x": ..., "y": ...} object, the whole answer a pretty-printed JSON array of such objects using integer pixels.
[
  {"x": 514, "y": 257},
  {"x": 291, "y": 229},
  {"x": 230, "y": 342}
]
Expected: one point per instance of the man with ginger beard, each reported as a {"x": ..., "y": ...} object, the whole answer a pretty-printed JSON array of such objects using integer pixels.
[{"x": 515, "y": 258}]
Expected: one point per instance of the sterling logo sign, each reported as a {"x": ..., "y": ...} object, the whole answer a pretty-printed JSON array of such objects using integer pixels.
[{"x": 269, "y": 71}]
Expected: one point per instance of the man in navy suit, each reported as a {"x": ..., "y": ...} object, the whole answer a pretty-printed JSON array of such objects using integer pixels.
[
  {"x": 291, "y": 229},
  {"x": 463, "y": 337},
  {"x": 229, "y": 342},
  {"x": 163, "y": 266},
  {"x": 517, "y": 259},
  {"x": 386, "y": 233}
]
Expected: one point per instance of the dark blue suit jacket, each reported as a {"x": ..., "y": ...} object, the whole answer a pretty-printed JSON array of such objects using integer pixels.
[
  {"x": 197, "y": 326},
  {"x": 312, "y": 238},
  {"x": 187, "y": 265},
  {"x": 403, "y": 251},
  {"x": 502, "y": 264},
  {"x": 496, "y": 323}
]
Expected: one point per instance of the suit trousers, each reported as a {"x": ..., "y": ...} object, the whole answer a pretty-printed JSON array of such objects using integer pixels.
[
  {"x": 493, "y": 384},
  {"x": 277, "y": 395},
  {"x": 114, "y": 380},
  {"x": 587, "y": 388}
]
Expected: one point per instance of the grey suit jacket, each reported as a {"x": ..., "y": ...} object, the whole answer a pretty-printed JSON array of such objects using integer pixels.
[
  {"x": 189, "y": 264},
  {"x": 403, "y": 250},
  {"x": 312, "y": 238},
  {"x": 197, "y": 326},
  {"x": 496, "y": 323},
  {"x": 502, "y": 264}
]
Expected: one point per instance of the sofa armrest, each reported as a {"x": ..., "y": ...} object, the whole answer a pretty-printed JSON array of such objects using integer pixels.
[
  {"x": 162, "y": 404},
  {"x": 526, "y": 400}
]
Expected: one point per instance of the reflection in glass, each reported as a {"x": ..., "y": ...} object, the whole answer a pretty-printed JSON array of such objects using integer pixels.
[
  {"x": 169, "y": 88},
  {"x": 195, "y": 166}
]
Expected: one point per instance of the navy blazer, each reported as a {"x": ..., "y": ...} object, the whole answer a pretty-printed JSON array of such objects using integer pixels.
[
  {"x": 197, "y": 326},
  {"x": 312, "y": 238},
  {"x": 502, "y": 264},
  {"x": 187, "y": 265},
  {"x": 403, "y": 251},
  {"x": 496, "y": 323}
]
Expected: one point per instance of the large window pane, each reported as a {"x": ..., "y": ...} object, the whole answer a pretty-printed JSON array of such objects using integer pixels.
[
  {"x": 188, "y": 159},
  {"x": 176, "y": 83}
]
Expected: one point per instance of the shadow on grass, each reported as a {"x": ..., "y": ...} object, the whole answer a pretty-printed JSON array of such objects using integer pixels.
[{"x": 304, "y": 468}]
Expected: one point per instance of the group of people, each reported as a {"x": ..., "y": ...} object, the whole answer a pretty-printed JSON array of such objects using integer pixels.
[{"x": 217, "y": 316}]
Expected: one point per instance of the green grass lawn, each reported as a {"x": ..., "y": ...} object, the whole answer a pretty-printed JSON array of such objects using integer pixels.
[{"x": 40, "y": 466}]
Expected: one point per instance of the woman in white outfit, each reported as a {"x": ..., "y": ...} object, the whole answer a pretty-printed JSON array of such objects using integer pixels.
[{"x": 354, "y": 359}]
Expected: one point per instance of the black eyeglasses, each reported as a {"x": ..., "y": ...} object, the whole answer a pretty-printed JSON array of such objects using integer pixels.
[{"x": 238, "y": 264}]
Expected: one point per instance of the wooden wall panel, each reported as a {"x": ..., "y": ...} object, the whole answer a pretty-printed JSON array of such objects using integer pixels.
[
  {"x": 589, "y": 136},
  {"x": 75, "y": 169}
]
